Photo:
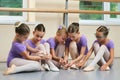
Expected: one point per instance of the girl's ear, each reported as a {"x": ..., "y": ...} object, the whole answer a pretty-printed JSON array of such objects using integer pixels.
[
  {"x": 57, "y": 34},
  {"x": 33, "y": 32},
  {"x": 17, "y": 34},
  {"x": 78, "y": 32}
]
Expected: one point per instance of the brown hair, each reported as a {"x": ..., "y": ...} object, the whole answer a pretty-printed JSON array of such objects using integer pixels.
[
  {"x": 103, "y": 29},
  {"x": 40, "y": 27},
  {"x": 73, "y": 28},
  {"x": 21, "y": 28}
]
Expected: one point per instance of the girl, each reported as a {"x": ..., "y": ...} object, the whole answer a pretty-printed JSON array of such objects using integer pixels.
[
  {"x": 19, "y": 59},
  {"x": 38, "y": 43},
  {"x": 57, "y": 46},
  {"x": 76, "y": 45},
  {"x": 103, "y": 49}
]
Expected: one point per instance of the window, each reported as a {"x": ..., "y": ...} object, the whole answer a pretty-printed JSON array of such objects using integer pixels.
[
  {"x": 11, "y": 17},
  {"x": 99, "y": 18}
]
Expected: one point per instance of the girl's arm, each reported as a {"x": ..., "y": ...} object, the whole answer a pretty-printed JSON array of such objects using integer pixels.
[
  {"x": 52, "y": 51},
  {"x": 66, "y": 54},
  {"x": 111, "y": 57},
  {"x": 26, "y": 55},
  {"x": 86, "y": 58},
  {"x": 109, "y": 62},
  {"x": 33, "y": 50},
  {"x": 88, "y": 54},
  {"x": 81, "y": 55}
]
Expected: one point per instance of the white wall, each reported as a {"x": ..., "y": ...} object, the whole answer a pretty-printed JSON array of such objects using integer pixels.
[{"x": 51, "y": 22}]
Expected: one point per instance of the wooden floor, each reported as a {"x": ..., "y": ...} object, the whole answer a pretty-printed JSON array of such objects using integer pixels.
[{"x": 113, "y": 74}]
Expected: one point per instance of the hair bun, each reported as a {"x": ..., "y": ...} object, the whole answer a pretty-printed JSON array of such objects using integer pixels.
[
  {"x": 17, "y": 24},
  {"x": 108, "y": 28}
]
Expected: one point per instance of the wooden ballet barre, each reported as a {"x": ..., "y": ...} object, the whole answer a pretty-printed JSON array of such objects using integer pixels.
[
  {"x": 57, "y": 11},
  {"x": 99, "y": 0},
  {"x": 33, "y": 10}
]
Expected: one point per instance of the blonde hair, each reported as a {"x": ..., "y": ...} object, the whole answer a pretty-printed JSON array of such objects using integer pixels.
[{"x": 62, "y": 30}]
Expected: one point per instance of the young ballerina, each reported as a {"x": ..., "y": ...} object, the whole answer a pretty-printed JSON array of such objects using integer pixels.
[
  {"x": 103, "y": 49},
  {"x": 19, "y": 59},
  {"x": 37, "y": 43},
  {"x": 76, "y": 45},
  {"x": 57, "y": 46}
]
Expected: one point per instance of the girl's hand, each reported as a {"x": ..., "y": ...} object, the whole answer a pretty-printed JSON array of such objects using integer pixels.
[
  {"x": 81, "y": 64},
  {"x": 38, "y": 57},
  {"x": 40, "y": 52},
  {"x": 104, "y": 67},
  {"x": 65, "y": 62},
  {"x": 50, "y": 56},
  {"x": 36, "y": 50},
  {"x": 70, "y": 64},
  {"x": 61, "y": 61},
  {"x": 46, "y": 57}
]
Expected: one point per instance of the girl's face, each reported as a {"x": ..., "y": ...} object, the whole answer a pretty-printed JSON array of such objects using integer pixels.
[
  {"x": 38, "y": 35},
  {"x": 100, "y": 37},
  {"x": 22, "y": 38},
  {"x": 73, "y": 36},
  {"x": 61, "y": 38}
]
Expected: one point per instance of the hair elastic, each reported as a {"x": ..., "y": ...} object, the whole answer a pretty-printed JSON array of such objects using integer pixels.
[{"x": 60, "y": 27}]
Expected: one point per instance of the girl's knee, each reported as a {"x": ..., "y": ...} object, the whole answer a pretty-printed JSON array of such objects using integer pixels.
[
  {"x": 46, "y": 44},
  {"x": 73, "y": 45},
  {"x": 103, "y": 46},
  {"x": 40, "y": 46},
  {"x": 95, "y": 45}
]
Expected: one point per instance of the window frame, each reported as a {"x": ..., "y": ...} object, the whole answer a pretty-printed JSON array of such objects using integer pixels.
[
  {"x": 12, "y": 19},
  {"x": 106, "y": 21}
]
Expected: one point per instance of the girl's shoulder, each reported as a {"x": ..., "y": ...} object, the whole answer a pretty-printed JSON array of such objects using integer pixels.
[
  {"x": 28, "y": 41},
  {"x": 18, "y": 45},
  {"x": 42, "y": 41},
  {"x": 83, "y": 37},
  {"x": 110, "y": 43},
  {"x": 50, "y": 39}
]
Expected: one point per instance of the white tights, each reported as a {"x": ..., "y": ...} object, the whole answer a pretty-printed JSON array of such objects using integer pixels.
[{"x": 101, "y": 54}]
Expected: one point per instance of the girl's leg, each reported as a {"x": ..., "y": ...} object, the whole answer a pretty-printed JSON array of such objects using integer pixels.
[
  {"x": 49, "y": 62},
  {"x": 60, "y": 50},
  {"x": 96, "y": 49},
  {"x": 80, "y": 61},
  {"x": 20, "y": 65},
  {"x": 42, "y": 52},
  {"x": 59, "y": 53},
  {"x": 99, "y": 56},
  {"x": 73, "y": 50},
  {"x": 73, "y": 53},
  {"x": 41, "y": 48},
  {"x": 47, "y": 48}
]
